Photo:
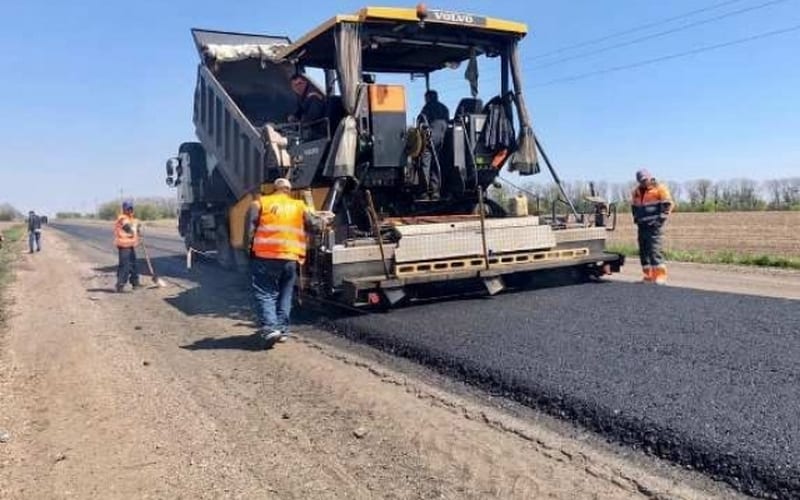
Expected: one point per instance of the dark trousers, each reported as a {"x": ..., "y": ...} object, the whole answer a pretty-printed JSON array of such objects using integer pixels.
[
  {"x": 431, "y": 168},
  {"x": 273, "y": 288},
  {"x": 126, "y": 270},
  {"x": 651, "y": 246}
]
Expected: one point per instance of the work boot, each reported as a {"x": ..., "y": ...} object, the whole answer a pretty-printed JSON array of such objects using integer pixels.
[
  {"x": 660, "y": 275},
  {"x": 119, "y": 288}
]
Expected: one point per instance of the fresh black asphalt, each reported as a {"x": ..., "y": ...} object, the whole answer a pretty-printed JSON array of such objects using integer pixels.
[{"x": 708, "y": 380}]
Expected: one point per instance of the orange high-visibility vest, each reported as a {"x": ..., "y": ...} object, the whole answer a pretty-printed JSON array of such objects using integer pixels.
[
  {"x": 123, "y": 239},
  {"x": 648, "y": 204},
  {"x": 281, "y": 229}
]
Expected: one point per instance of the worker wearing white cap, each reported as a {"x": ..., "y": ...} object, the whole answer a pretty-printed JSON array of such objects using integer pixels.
[{"x": 277, "y": 236}]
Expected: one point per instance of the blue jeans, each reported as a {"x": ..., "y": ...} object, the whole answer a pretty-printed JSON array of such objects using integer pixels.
[
  {"x": 35, "y": 241},
  {"x": 273, "y": 285}
]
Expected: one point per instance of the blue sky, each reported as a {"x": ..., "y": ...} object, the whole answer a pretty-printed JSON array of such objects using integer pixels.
[{"x": 97, "y": 94}]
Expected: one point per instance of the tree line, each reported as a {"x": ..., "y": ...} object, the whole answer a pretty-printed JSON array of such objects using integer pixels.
[
  {"x": 9, "y": 213},
  {"x": 700, "y": 195},
  {"x": 145, "y": 208}
]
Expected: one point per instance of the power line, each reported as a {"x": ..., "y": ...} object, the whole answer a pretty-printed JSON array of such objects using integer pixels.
[
  {"x": 697, "y": 50},
  {"x": 454, "y": 82},
  {"x": 660, "y": 34},
  {"x": 634, "y": 29},
  {"x": 457, "y": 81}
]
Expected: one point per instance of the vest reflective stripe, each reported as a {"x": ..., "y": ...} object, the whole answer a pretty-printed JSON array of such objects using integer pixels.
[
  {"x": 650, "y": 204},
  {"x": 281, "y": 229},
  {"x": 294, "y": 245},
  {"x": 123, "y": 239}
]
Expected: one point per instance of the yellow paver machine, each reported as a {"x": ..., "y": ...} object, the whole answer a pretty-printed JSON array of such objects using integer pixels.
[{"x": 369, "y": 158}]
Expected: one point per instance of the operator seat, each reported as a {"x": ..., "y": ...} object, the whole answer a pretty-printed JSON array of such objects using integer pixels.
[
  {"x": 468, "y": 106},
  {"x": 470, "y": 112},
  {"x": 467, "y": 124}
]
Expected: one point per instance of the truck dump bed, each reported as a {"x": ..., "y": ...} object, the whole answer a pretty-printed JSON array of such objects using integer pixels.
[{"x": 240, "y": 87}]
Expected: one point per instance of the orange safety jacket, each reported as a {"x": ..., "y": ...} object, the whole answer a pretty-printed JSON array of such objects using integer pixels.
[
  {"x": 122, "y": 238},
  {"x": 281, "y": 228},
  {"x": 650, "y": 204}
]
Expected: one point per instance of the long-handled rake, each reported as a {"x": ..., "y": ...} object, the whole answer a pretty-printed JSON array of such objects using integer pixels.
[{"x": 156, "y": 279}]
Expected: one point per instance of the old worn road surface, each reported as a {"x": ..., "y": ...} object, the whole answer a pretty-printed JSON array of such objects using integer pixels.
[{"x": 705, "y": 379}]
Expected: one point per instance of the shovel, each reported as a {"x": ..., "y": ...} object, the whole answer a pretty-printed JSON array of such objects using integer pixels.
[{"x": 156, "y": 279}]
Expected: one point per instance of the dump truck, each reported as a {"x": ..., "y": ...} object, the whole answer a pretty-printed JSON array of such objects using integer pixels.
[{"x": 364, "y": 161}]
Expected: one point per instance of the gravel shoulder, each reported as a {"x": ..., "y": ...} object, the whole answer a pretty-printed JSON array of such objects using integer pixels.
[
  {"x": 751, "y": 280},
  {"x": 160, "y": 394}
]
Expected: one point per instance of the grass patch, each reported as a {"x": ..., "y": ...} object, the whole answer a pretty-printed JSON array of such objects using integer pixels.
[
  {"x": 10, "y": 238},
  {"x": 726, "y": 257}
]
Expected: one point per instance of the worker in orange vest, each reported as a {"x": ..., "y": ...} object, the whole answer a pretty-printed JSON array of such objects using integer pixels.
[
  {"x": 126, "y": 238},
  {"x": 651, "y": 205},
  {"x": 277, "y": 236}
]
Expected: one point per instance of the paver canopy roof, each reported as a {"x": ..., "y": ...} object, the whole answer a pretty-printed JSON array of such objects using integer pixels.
[{"x": 400, "y": 40}]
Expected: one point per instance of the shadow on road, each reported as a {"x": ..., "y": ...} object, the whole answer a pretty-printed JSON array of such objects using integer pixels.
[
  {"x": 218, "y": 301},
  {"x": 211, "y": 291},
  {"x": 236, "y": 342}
]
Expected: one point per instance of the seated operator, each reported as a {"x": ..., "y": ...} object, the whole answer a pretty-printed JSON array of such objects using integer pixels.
[
  {"x": 436, "y": 115},
  {"x": 310, "y": 104}
]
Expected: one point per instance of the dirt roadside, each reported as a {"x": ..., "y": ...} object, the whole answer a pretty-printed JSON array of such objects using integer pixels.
[
  {"x": 124, "y": 396},
  {"x": 751, "y": 280}
]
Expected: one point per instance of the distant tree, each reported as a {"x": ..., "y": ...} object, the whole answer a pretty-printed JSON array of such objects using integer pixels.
[
  {"x": 700, "y": 194},
  {"x": 620, "y": 193},
  {"x": 108, "y": 210},
  {"x": 68, "y": 215},
  {"x": 676, "y": 190},
  {"x": 9, "y": 213},
  {"x": 748, "y": 196},
  {"x": 790, "y": 193},
  {"x": 146, "y": 209},
  {"x": 772, "y": 188}
]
